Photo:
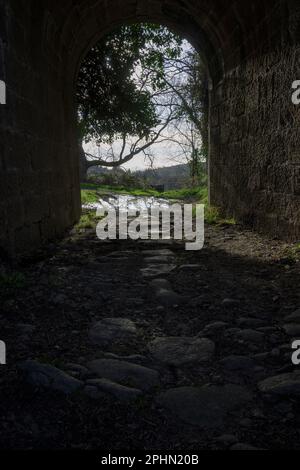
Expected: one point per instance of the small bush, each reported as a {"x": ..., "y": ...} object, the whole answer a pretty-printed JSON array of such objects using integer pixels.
[
  {"x": 88, "y": 220},
  {"x": 213, "y": 217}
]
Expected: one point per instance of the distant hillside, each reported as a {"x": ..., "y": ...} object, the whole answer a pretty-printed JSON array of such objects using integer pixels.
[
  {"x": 173, "y": 177},
  {"x": 98, "y": 170}
]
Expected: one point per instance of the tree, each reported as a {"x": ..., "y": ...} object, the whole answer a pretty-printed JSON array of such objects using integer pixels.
[
  {"x": 185, "y": 83},
  {"x": 186, "y": 77},
  {"x": 119, "y": 84}
]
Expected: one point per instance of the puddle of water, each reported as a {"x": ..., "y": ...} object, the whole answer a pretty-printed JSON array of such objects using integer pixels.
[{"x": 125, "y": 203}]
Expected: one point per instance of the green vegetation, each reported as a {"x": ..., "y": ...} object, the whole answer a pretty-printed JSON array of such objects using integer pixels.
[
  {"x": 137, "y": 82},
  {"x": 12, "y": 281},
  {"x": 293, "y": 253},
  {"x": 91, "y": 193},
  {"x": 213, "y": 217},
  {"x": 89, "y": 197},
  {"x": 89, "y": 190},
  {"x": 191, "y": 194},
  {"x": 113, "y": 100},
  {"x": 88, "y": 220},
  {"x": 212, "y": 214}
]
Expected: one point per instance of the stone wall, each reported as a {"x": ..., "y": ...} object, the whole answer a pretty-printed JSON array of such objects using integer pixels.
[
  {"x": 252, "y": 53},
  {"x": 255, "y": 153},
  {"x": 39, "y": 182}
]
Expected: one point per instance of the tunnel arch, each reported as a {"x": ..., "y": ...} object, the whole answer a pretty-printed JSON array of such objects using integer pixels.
[
  {"x": 252, "y": 54},
  {"x": 217, "y": 67}
]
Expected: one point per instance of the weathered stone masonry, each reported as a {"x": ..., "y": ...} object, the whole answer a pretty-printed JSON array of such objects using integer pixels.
[
  {"x": 255, "y": 164},
  {"x": 252, "y": 51}
]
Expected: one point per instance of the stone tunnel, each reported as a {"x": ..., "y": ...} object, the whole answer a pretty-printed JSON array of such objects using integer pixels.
[{"x": 252, "y": 52}]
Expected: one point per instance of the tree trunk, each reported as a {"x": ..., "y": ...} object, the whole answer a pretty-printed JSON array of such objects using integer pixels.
[{"x": 83, "y": 164}]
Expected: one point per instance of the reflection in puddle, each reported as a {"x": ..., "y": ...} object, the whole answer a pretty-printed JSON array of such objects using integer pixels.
[{"x": 125, "y": 203}]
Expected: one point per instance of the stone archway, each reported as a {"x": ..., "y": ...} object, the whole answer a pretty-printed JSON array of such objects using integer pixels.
[{"x": 252, "y": 54}]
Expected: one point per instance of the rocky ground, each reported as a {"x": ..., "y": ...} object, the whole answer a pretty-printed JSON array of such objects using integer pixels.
[{"x": 123, "y": 345}]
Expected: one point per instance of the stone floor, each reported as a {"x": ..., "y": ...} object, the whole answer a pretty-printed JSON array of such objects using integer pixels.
[{"x": 122, "y": 345}]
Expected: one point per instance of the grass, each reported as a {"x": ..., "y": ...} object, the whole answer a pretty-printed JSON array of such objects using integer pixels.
[
  {"x": 213, "y": 217},
  {"x": 89, "y": 190},
  {"x": 89, "y": 197},
  {"x": 90, "y": 194},
  {"x": 88, "y": 220},
  {"x": 293, "y": 253},
  {"x": 192, "y": 194},
  {"x": 212, "y": 213}
]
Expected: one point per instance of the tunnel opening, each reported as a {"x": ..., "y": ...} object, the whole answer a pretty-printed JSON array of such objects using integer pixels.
[
  {"x": 142, "y": 96},
  {"x": 246, "y": 49}
]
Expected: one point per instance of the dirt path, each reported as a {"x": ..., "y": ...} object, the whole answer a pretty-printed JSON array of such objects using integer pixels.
[{"x": 124, "y": 345}]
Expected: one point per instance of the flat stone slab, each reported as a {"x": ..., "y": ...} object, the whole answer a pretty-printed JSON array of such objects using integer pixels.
[
  {"x": 156, "y": 270},
  {"x": 205, "y": 407},
  {"x": 283, "y": 384},
  {"x": 45, "y": 376},
  {"x": 109, "y": 330},
  {"x": 292, "y": 329},
  {"x": 164, "y": 294},
  {"x": 125, "y": 373},
  {"x": 293, "y": 317},
  {"x": 158, "y": 260},
  {"x": 157, "y": 284},
  {"x": 163, "y": 252},
  {"x": 120, "y": 392},
  {"x": 168, "y": 298},
  {"x": 251, "y": 336},
  {"x": 179, "y": 351},
  {"x": 230, "y": 302},
  {"x": 238, "y": 363},
  {"x": 76, "y": 368},
  {"x": 133, "y": 358}
]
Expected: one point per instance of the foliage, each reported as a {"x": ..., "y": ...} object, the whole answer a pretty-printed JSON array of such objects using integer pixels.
[
  {"x": 89, "y": 197},
  {"x": 193, "y": 194},
  {"x": 88, "y": 220},
  {"x": 111, "y": 102},
  {"x": 196, "y": 93},
  {"x": 136, "y": 83},
  {"x": 119, "y": 178},
  {"x": 105, "y": 189},
  {"x": 292, "y": 253}
]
